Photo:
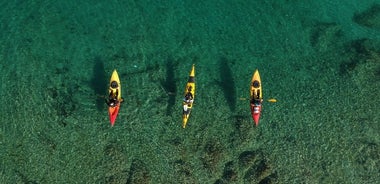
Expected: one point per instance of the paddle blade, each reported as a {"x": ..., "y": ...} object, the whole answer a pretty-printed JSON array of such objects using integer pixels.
[{"x": 272, "y": 100}]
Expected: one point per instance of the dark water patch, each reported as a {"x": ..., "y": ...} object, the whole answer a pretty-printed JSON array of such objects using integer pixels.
[
  {"x": 52, "y": 92},
  {"x": 250, "y": 167},
  {"x": 183, "y": 171},
  {"x": 183, "y": 168},
  {"x": 369, "y": 18},
  {"x": 99, "y": 82},
  {"x": 176, "y": 141},
  {"x": 114, "y": 164},
  {"x": 272, "y": 178},
  {"x": 227, "y": 83},
  {"x": 230, "y": 172},
  {"x": 248, "y": 158},
  {"x": 47, "y": 141},
  {"x": 359, "y": 47},
  {"x": 113, "y": 151},
  {"x": 259, "y": 171},
  {"x": 23, "y": 178},
  {"x": 212, "y": 154},
  {"x": 62, "y": 109},
  {"x": 359, "y": 52},
  {"x": 115, "y": 178},
  {"x": 61, "y": 68},
  {"x": 368, "y": 156},
  {"x": 220, "y": 181},
  {"x": 256, "y": 167},
  {"x": 65, "y": 105},
  {"x": 347, "y": 67},
  {"x": 323, "y": 35},
  {"x": 169, "y": 84},
  {"x": 377, "y": 73},
  {"x": 138, "y": 173},
  {"x": 242, "y": 129}
]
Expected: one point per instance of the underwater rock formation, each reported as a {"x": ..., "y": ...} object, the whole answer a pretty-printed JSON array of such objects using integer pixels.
[
  {"x": 138, "y": 173},
  {"x": 369, "y": 18},
  {"x": 250, "y": 167}
]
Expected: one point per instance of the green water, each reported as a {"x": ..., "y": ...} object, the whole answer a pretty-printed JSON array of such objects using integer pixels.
[{"x": 319, "y": 59}]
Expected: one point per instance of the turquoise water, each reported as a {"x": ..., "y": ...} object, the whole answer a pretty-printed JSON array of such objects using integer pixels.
[{"x": 319, "y": 59}]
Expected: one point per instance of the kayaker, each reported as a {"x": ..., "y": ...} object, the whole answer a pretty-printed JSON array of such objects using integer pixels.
[
  {"x": 256, "y": 100},
  {"x": 188, "y": 97},
  {"x": 188, "y": 100},
  {"x": 112, "y": 97}
]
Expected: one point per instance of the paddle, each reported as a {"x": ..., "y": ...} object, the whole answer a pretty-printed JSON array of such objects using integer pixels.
[{"x": 272, "y": 100}]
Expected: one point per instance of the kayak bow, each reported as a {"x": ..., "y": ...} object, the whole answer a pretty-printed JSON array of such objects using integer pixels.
[
  {"x": 256, "y": 99},
  {"x": 113, "y": 111},
  {"x": 188, "y": 97}
]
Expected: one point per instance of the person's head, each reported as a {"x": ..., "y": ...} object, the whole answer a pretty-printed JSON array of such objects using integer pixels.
[
  {"x": 256, "y": 84},
  {"x": 114, "y": 84}
]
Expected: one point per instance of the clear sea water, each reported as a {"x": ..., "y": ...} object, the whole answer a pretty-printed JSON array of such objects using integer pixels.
[{"x": 319, "y": 59}]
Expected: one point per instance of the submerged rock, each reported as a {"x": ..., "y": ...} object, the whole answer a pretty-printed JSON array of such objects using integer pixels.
[
  {"x": 324, "y": 35},
  {"x": 369, "y": 18},
  {"x": 230, "y": 172},
  {"x": 363, "y": 61},
  {"x": 213, "y": 151},
  {"x": 138, "y": 173}
]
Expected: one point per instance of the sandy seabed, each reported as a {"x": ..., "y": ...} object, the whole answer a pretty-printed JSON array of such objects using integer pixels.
[{"x": 320, "y": 60}]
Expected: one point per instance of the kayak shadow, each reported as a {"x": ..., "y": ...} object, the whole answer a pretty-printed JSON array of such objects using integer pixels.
[
  {"x": 99, "y": 82},
  {"x": 169, "y": 84},
  {"x": 227, "y": 83}
]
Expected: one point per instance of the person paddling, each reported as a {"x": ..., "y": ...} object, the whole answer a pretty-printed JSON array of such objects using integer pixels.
[{"x": 112, "y": 100}]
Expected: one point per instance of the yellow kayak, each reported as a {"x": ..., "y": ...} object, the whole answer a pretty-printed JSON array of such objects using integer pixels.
[
  {"x": 256, "y": 99},
  {"x": 115, "y": 92},
  {"x": 189, "y": 95}
]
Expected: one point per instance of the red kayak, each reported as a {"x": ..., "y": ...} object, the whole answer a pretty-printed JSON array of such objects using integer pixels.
[
  {"x": 256, "y": 97},
  {"x": 256, "y": 111},
  {"x": 114, "y": 89},
  {"x": 113, "y": 111}
]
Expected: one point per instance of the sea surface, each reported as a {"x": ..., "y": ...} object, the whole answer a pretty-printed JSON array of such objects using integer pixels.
[{"x": 320, "y": 59}]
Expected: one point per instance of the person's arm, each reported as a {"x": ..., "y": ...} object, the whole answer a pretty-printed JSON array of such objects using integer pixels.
[{"x": 117, "y": 93}]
